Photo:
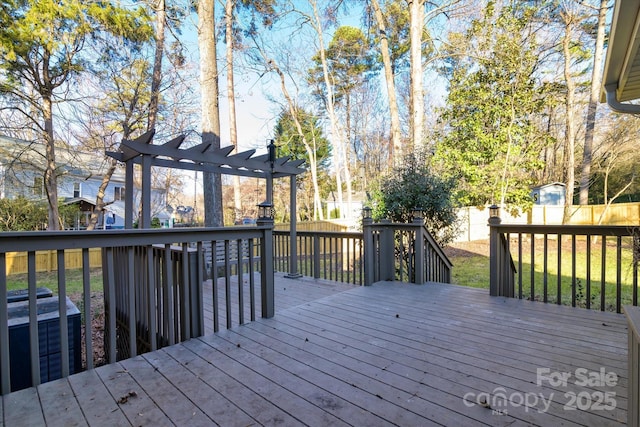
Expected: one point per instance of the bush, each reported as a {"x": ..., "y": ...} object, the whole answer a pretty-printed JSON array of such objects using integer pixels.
[
  {"x": 22, "y": 214},
  {"x": 413, "y": 185}
]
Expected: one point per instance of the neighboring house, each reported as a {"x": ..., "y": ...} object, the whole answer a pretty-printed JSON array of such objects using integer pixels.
[
  {"x": 79, "y": 178},
  {"x": 549, "y": 194}
]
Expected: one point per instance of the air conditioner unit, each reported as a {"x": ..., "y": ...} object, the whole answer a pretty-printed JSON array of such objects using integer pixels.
[{"x": 48, "y": 338}]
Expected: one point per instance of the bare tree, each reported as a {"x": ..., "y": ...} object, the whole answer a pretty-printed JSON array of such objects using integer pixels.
[
  {"x": 390, "y": 81},
  {"x": 594, "y": 99}
]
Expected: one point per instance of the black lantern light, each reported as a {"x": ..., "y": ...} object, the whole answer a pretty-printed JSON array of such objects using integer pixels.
[
  {"x": 366, "y": 212},
  {"x": 416, "y": 213},
  {"x": 265, "y": 211},
  {"x": 494, "y": 214}
]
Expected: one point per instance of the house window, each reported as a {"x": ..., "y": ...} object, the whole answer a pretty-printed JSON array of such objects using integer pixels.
[
  {"x": 76, "y": 189},
  {"x": 118, "y": 193},
  {"x": 38, "y": 186}
]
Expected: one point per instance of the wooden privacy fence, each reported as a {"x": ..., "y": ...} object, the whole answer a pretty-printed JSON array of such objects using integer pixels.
[
  {"x": 152, "y": 287},
  {"x": 594, "y": 267},
  {"x": 47, "y": 261}
]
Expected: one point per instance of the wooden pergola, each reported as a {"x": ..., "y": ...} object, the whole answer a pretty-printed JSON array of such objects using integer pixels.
[{"x": 202, "y": 158}]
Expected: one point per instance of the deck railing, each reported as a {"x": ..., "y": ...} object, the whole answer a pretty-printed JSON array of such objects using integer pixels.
[
  {"x": 383, "y": 251},
  {"x": 326, "y": 255},
  {"x": 595, "y": 267},
  {"x": 152, "y": 286},
  {"x": 404, "y": 252}
]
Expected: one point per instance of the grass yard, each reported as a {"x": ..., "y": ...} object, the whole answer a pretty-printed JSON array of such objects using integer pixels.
[{"x": 471, "y": 268}]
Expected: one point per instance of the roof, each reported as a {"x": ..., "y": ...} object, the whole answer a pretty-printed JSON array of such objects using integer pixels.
[
  {"x": 71, "y": 161},
  {"x": 552, "y": 184},
  {"x": 621, "y": 79}
]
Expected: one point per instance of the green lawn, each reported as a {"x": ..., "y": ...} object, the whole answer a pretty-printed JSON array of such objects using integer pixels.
[{"x": 73, "y": 281}]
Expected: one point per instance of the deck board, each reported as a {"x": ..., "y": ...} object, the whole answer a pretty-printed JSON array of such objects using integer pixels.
[
  {"x": 59, "y": 404},
  {"x": 99, "y": 407},
  {"x": 335, "y": 354},
  {"x": 23, "y": 408}
]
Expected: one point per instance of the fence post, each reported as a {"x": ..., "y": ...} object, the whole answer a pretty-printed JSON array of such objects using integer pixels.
[
  {"x": 368, "y": 248},
  {"x": 419, "y": 266},
  {"x": 494, "y": 251},
  {"x": 265, "y": 218}
]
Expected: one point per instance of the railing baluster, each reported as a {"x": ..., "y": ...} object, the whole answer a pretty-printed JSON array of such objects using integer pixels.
[
  {"x": 110, "y": 288},
  {"x": 240, "y": 284},
  {"x": 316, "y": 257},
  {"x": 619, "y": 275},
  {"x": 636, "y": 260},
  {"x": 252, "y": 292},
  {"x": 34, "y": 346},
  {"x": 169, "y": 286},
  {"x": 62, "y": 313},
  {"x": 227, "y": 282},
  {"x": 559, "y": 272},
  {"x": 214, "y": 285},
  {"x": 574, "y": 282},
  {"x": 533, "y": 267},
  {"x": 185, "y": 308},
  {"x": 5, "y": 374},
  {"x": 520, "y": 265},
  {"x": 603, "y": 273},
  {"x": 154, "y": 302},
  {"x": 130, "y": 285},
  {"x": 588, "y": 284},
  {"x": 86, "y": 304},
  {"x": 545, "y": 270}
]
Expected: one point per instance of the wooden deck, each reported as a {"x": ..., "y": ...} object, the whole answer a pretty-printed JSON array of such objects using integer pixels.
[{"x": 390, "y": 354}]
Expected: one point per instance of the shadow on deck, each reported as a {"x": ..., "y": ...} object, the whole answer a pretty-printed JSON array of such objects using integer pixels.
[{"x": 389, "y": 354}]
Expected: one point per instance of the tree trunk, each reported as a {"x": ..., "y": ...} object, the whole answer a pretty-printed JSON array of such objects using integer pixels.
[
  {"x": 50, "y": 177},
  {"x": 233, "y": 130},
  {"x": 570, "y": 131},
  {"x": 585, "y": 174},
  {"x": 100, "y": 204},
  {"x": 416, "y": 10},
  {"x": 212, "y": 184},
  {"x": 157, "y": 65},
  {"x": 396, "y": 154}
]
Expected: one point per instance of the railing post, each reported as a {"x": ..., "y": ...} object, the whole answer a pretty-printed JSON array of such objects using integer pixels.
[
  {"x": 494, "y": 252},
  {"x": 419, "y": 263},
  {"x": 266, "y": 261},
  {"x": 387, "y": 249},
  {"x": 368, "y": 248}
]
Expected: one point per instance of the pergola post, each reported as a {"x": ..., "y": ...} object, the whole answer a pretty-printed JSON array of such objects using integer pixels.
[
  {"x": 293, "y": 245},
  {"x": 145, "y": 217},
  {"x": 128, "y": 195}
]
